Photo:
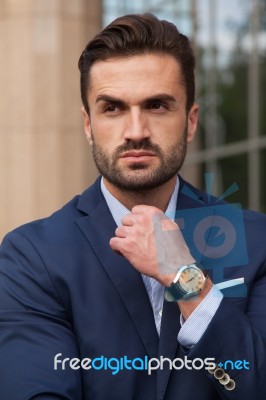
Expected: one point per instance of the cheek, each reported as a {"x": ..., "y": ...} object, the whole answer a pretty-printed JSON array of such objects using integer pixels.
[
  {"x": 104, "y": 141},
  {"x": 169, "y": 137},
  {"x": 108, "y": 135},
  {"x": 106, "y": 131},
  {"x": 170, "y": 127}
]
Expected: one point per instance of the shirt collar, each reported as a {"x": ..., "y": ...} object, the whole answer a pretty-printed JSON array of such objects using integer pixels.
[{"x": 118, "y": 210}]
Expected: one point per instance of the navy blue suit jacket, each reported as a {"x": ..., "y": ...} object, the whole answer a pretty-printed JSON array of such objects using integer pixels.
[{"x": 63, "y": 290}]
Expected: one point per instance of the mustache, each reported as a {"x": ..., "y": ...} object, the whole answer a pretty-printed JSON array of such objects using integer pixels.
[{"x": 144, "y": 144}]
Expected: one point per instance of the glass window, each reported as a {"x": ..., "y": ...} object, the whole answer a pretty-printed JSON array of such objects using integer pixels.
[{"x": 231, "y": 87}]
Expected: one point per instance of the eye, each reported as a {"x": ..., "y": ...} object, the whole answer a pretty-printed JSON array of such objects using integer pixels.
[
  {"x": 111, "y": 108},
  {"x": 157, "y": 106}
]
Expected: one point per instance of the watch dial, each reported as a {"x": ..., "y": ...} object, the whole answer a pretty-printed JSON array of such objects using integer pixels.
[{"x": 191, "y": 280}]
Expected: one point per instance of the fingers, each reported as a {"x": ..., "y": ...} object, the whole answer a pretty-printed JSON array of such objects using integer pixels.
[
  {"x": 169, "y": 225},
  {"x": 119, "y": 245},
  {"x": 128, "y": 220},
  {"x": 140, "y": 209},
  {"x": 144, "y": 216},
  {"x": 122, "y": 231},
  {"x": 115, "y": 244},
  {"x": 134, "y": 219},
  {"x": 156, "y": 216}
]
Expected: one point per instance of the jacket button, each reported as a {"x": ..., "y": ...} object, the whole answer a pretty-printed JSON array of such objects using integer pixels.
[
  {"x": 225, "y": 379},
  {"x": 230, "y": 385},
  {"x": 219, "y": 373}
]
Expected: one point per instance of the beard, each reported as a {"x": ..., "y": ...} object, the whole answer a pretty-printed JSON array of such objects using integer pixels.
[{"x": 140, "y": 177}]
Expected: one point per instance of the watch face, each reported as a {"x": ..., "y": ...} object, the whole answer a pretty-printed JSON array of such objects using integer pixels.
[{"x": 191, "y": 279}]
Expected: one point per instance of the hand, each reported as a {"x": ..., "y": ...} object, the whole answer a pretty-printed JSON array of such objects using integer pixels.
[{"x": 152, "y": 243}]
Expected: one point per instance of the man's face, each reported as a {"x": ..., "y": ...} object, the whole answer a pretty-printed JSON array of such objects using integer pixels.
[{"x": 138, "y": 124}]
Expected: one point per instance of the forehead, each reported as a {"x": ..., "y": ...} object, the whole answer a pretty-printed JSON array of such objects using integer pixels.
[{"x": 136, "y": 74}]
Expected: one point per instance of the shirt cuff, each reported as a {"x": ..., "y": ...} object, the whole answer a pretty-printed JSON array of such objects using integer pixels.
[{"x": 194, "y": 327}]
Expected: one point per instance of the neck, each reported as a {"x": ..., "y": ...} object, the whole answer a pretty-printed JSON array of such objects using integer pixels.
[{"x": 158, "y": 197}]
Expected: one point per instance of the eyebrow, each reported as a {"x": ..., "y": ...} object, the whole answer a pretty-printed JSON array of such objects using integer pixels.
[
  {"x": 108, "y": 99},
  {"x": 156, "y": 97}
]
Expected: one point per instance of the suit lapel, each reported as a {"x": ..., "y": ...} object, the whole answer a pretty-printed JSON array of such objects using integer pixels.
[{"x": 98, "y": 227}]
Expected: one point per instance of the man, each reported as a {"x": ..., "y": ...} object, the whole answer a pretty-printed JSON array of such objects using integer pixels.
[{"x": 105, "y": 300}]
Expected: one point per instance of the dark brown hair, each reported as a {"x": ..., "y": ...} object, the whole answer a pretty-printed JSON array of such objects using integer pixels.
[{"x": 137, "y": 34}]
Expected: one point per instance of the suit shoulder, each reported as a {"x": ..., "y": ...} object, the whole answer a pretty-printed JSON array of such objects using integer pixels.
[
  {"x": 62, "y": 222},
  {"x": 255, "y": 219},
  {"x": 51, "y": 228}
]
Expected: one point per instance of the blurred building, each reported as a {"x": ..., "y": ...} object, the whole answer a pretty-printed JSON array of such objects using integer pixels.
[
  {"x": 230, "y": 43},
  {"x": 44, "y": 157}
]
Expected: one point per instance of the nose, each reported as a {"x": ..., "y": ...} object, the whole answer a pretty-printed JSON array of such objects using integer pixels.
[{"x": 136, "y": 126}]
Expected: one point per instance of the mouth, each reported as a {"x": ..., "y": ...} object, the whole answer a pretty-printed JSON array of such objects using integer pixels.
[{"x": 138, "y": 156}]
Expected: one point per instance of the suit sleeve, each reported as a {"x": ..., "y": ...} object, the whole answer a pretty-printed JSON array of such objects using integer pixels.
[
  {"x": 238, "y": 335},
  {"x": 34, "y": 327}
]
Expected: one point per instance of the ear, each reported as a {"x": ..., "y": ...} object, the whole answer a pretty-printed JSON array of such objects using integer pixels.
[
  {"x": 193, "y": 116},
  {"x": 87, "y": 126}
]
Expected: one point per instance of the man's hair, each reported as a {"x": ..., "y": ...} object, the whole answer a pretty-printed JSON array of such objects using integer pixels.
[{"x": 138, "y": 34}]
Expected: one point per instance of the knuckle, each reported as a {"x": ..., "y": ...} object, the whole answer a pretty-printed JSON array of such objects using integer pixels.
[{"x": 118, "y": 230}]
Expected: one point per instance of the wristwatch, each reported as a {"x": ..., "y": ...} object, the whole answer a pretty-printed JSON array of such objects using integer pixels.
[{"x": 188, "y": 282}]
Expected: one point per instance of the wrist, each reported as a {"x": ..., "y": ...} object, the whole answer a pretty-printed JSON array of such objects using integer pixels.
[
  {"x": 189, "y": 306},
  {"x": 166, "y": 279}
]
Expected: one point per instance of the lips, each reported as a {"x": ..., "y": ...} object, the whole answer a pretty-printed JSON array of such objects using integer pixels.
[{"x": 137, "y": 154}]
